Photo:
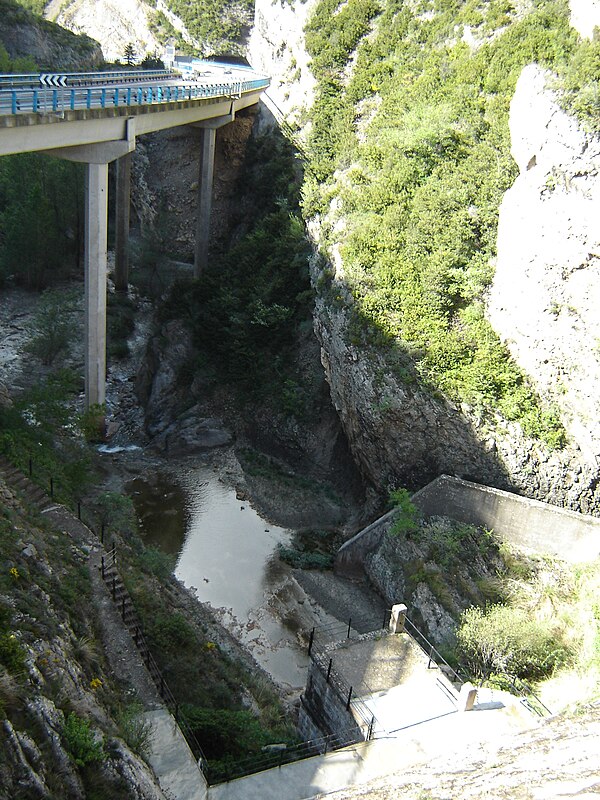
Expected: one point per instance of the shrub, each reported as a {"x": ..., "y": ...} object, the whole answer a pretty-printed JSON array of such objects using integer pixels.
[
  {"x": 304, "y": 560},
  {"x": 53, "y": 328},
  {"x": 502, "y": 639},
  {"x": 136, "y": 730},
  {"x": 406, "y": 515},
  {"x": 81, "y": 742}
]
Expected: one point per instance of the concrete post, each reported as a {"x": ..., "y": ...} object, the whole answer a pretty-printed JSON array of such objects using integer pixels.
[
  {"x": 397, "y": 618},
  {"x": 122, "y": 223},
  {"x": 96, "y": 209},
  {"x": 205, "y": 186},
  {"x": 466, "y": 698}
]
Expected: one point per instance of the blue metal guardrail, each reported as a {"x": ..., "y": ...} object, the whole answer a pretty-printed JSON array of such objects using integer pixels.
[{"x": 38, "y": 99}]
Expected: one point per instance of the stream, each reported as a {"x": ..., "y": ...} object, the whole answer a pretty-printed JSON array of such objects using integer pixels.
[{"x": 227, "y": 554}]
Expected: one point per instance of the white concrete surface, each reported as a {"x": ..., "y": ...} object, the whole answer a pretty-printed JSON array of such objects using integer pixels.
[{"x": 172, "y": 760}]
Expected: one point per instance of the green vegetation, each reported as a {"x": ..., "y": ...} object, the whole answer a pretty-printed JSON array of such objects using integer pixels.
[
  {"x": 548, "y": 626},
  {"x": 508, "y": 640},
  {"x": 53, "y": 327},
  {"x": 39, "y": 426},
  {"x": 64, "y": 49},
  {"x": 23, "y": 64},
  {"x": 208, "y": 685},
  {"x": 219, "y": 25},
  {"x": 245, "y": 311},
  {"x": 81, "y": 741},
  {"x": 310, "y": 549},
  {"x": 412, "y": 140},
  {"x": 41, "y": 219},
  {"x": 406, "y": 516}
]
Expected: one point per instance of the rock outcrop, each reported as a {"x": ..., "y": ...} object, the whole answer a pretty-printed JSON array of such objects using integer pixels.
[
  {"x": 546, "y": 292},
  {"x": 114, "y": 23},
  {"x": 52, "y": 48}
]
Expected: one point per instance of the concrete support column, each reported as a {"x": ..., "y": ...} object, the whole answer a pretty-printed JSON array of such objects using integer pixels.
[
  {"x": 397, "y": 618},
  {"x": 205, "y": 186},
  {"x": 96, "y": 211},
  {"x": 122, "y": 205}
]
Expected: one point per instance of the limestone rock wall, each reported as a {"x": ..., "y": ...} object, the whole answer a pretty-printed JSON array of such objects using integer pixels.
[
  {"x": 114, "y": 23},
  {"x": 401, "y": 436},
  {"x": 276, "y": 47},
  {"x": 546, "y": 292}
]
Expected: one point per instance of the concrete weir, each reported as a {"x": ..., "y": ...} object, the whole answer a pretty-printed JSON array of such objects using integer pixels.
[{"x": 98, "y": 136}]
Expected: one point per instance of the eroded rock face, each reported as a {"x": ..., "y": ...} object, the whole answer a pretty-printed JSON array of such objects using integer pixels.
[
  {"x": 585, "y": 16},
  {"x": 545, "y": 296},
  {"x": 276, "y": 47},
  {"x": 51, "y": 48},
  {"x": 401, "y": 436},
  {"x": 114, "y": 23}
]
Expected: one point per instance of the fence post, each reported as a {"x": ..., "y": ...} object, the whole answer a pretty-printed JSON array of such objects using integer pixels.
[
  {"x": 329, "y": 669},
  {"x": 370, "y": 731},
  {"x": 311, "y": 640},
  {"x": 430, "y": 657},
  {"x": 102, "y": 534},
  {"x": 79, "y": 509},
  {"x": 349, "y": 699},
  {"x": 114, "y": 551},
  {"x": 52, "y": 487},
  {"x": 349, "y": 626},
  {"x": 102, "y": 568},
  {"x": 398, "y": 618}
]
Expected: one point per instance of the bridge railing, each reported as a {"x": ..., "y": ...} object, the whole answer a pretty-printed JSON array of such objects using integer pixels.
[
  {"x": 57, "y": 100},
  {"x": 34, "y": 80}
]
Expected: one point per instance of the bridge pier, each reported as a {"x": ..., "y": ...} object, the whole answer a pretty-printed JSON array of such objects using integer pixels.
[
  {"x": 205, "y": 188},
  {"x": 96, "y": 212},
  {"x": 122, "y": 206},
  {"x": 96, "y": 157}
]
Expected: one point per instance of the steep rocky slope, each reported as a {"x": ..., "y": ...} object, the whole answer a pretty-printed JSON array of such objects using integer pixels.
[
  {"x": 25, "y": 35},
  {"x": 400, "y": 431},
  {"x": 546, "y": 292},
  {"x": 114, "y": 23}
]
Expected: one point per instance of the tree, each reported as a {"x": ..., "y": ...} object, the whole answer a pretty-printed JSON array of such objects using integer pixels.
[{"x": 129, "y": 54}]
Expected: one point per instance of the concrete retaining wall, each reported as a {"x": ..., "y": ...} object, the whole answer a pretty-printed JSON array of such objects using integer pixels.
[
  {"x": 530, "y": 525},
  {"x": 323, "y": 711},
  {"x": 349, "y": 558}
]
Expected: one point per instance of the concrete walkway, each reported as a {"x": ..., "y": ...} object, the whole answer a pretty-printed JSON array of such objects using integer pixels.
[
  {"x": 171, "y": 759},
  {"x": 495, "y": 717}
]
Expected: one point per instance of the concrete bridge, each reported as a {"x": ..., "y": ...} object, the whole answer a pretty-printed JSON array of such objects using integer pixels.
[{"x": 95, "y": 118}]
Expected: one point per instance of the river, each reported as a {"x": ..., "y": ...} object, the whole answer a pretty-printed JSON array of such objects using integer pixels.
[{"x": 227, "y": 554}]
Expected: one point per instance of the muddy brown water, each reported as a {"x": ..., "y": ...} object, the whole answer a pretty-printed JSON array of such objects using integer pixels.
[{"x": 228, "y": 554}]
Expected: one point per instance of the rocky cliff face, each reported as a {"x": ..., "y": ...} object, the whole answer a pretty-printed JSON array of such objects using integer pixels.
[
  {"x": 25, "y": 35},
  {"x": 114, "y": 23},
  {"x": 401, "y": 435},
  {"x": 546, "y": 292},
  {"x": 276, "y": 47},
  {"x": 542, "y": 304}
]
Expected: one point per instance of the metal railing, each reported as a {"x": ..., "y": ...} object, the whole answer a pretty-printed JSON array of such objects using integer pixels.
[
  {"x": 321, "y": 643},
  {"x": 124, "y": 604},
  {"x": 32, "y": 80},
  {"x": 433, "y": 655},
  {"x": 280, "y": 756},
  {"x": 58, "y": 100}
]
